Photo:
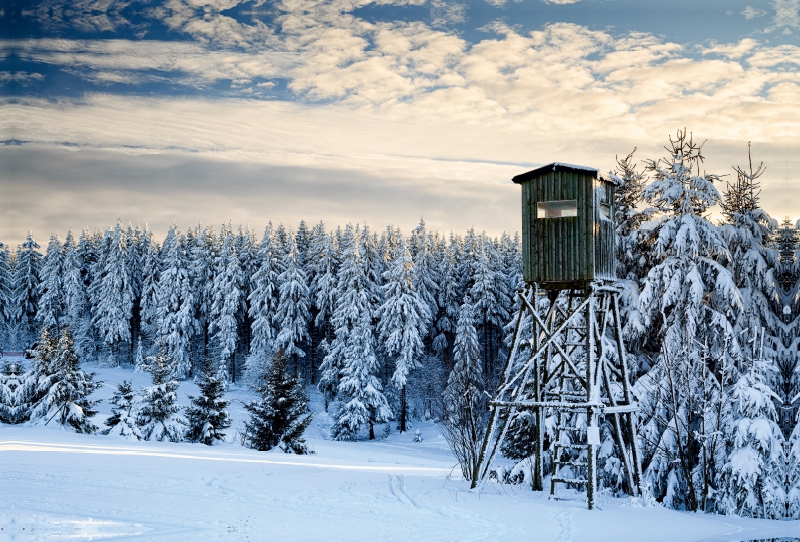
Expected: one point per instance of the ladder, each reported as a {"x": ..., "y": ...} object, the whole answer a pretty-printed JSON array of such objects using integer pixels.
[{"x": 576, "y": 357}]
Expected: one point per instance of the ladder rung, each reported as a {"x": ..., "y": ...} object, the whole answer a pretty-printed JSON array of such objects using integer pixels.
[
  {"x": 566, "y": 396},
  {"x": 576, "y": 481},
  {"x": 571, "y": 446},
  {"x": 572, "y": 463}
]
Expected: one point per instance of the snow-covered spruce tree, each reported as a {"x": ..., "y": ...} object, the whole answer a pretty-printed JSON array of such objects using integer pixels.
[
  {"x": 7, "y": 301},
  {"x": 135, "y": 270},
  {"x": 138, "y": 357},
  {"x": 36, "y": 382},
  {"x": 751, "y": 482},
  {"x": 360, "y": 388},
  {"x": 686, "y": 305},
  {"x": 77, "y": 315},
  {"x": 323, "y": 285},
  {"x": 511, "y": 254},
  {"x": 51, "y": 292},
  {"x": 280, "y": 416},
  {"x": 403, "y": 321},
  {"x": 202, "y": 260},
  {"x": 225, "y": 304},
  {"x": 746, "y": 231},
  {"x": 148, "y": 301},
  {"x": 175, "y": 310},
  {"x": 263, "y": 306},
  {"x": 491, "y": 300},
  {"x": 462, "y": 411},
  {"x": 247, "y": 251},
  {"x": 63, "y": 387},
  {"x": 207, "y": 417},
  {"x": 158, "y": 416},
  {"x": 425, "y": 280},
  {"x": 373, "y": 267},
  {"x": 447, "y": 301},
  {"x": 629, "y": 196},
  {"x": 351, "y": 366},
  {"x": 26, "y": 290},
  {"x": 292, "y": 315},
  {"x": 342, "y": 321},
  {"x": 13, "y": 408},
  {"x": 112, "y": 292},
  {"x": 122, "y": 421}
]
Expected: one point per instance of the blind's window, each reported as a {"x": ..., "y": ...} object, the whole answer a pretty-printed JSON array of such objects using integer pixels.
[{"x": 557, "y": 209}]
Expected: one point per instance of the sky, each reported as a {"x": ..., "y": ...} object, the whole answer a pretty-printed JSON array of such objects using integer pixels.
[{"x": 379, "y": 111}]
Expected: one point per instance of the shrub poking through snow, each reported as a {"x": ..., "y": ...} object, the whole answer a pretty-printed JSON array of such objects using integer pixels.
[
  {"x": 208, "y": 416},
  {"x": 279, "y": 418}
]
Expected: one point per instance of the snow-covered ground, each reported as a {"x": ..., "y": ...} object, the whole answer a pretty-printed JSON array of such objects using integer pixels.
[{"x": 56, "y": 485}]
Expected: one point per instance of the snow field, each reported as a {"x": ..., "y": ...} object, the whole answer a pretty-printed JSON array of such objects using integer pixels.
[{"x": 57, "y": 485}]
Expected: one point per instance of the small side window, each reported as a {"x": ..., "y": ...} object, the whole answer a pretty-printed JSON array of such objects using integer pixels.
[{"x": 557, "y": 209}]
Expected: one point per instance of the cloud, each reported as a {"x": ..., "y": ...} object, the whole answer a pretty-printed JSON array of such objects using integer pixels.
[
  {"x": 61, "y": 189},
  {"x": 561, "y": 2},
  {"x": 787, "y": 16},
  {"x": 20, "y": 77},
  {"x": 400, "y": 104},
  {"x": 751, "y": 13},
  {"x": 444, "y": 14}
]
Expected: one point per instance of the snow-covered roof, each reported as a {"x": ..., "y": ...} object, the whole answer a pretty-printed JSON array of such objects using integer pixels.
[{"x": 561, "y": 166}]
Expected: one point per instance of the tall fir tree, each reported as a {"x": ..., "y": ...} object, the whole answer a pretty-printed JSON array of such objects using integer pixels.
[
  {"x": 77, "y": 314},
  {"x": 7, "y": 300},
  {"x": 403, "y": 322},
  {"x": 50, "y": 311},
  {"x": 280, "y": 416},
  {"x": 751, "y": 482},
  {"x": 112, "y": 293},
  {"x": 629, "y": 217},
  {"x": 175, "y": 309},
  {"x": 292, "y": 315},
  {"x": 226, "y": 302},
  {"x": 463, "y": 411},
  {"x": 491, "y": 299},
  {"x": 685, "y": 307},
  {"x": 323, "y": 286},
  {"x": 264, "y": 297},
  {"x": 26, "y": 290},
  {"x": 148, "y": 302}
]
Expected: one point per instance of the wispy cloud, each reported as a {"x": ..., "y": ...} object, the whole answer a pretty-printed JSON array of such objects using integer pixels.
[
  {"x": 787, "y": 16},
  {"x": 19, "y": 77},
  {"x": 444, "y": 14},
  {"x": 751, "y": 13}
]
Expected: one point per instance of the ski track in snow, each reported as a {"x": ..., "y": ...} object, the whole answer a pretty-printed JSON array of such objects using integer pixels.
[{"x": 56, "y": 485}]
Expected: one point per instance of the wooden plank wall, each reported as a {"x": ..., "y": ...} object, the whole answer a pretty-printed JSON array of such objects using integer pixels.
[{"x": 572, "y": 249}]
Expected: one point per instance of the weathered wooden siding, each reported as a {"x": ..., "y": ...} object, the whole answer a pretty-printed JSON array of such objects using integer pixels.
[
  {"x": 568, "y": 249},
  {"x": 605, "y": 266}
]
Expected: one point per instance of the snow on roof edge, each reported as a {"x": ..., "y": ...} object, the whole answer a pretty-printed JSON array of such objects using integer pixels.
[{"x": 529, "y": 174}]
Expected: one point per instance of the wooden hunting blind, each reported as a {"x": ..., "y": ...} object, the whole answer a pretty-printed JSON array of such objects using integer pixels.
[
  {"x": 567, "y": 365},
  {"x": 568, "y": 227}
]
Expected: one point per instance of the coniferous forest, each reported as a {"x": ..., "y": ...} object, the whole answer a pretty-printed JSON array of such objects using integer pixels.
[{"x": 394, "y": 326}]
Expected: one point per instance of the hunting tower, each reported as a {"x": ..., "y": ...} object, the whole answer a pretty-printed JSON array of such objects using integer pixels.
[
  {"x": 566, "y": 368},
  {"x": 567, "y": 226}
]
